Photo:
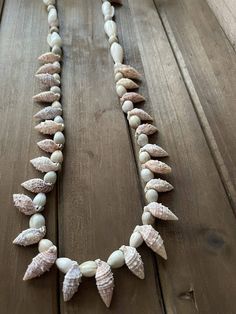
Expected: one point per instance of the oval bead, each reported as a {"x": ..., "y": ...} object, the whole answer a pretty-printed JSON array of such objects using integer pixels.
[
  {"x": 88, "y": 269},
  {"x": 57, "y": 156},
  {"x": 134, "y": 122},
  {"x": 144, "y": 157},
  {"x": 151, "y": 196},
  {"x": 44, "y": 245},
  {"x": 59, "y": 138},
  {"x": 146, "y": 175},
  {"x": 64, "y": 264},
  {"x": 147, "y": 218},
  {"x": 50, "y": 177},
  {"x": 142, "y": 140},
  {"x": 40, "y": 200},
  {"x": 37, "y": 221},
  {"x": 116, "y": 259},
  {"x": 136, "y": 239}
]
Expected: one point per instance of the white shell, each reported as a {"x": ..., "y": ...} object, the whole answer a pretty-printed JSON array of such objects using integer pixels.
[
  {"x": 118, "y": 76},
  {"x": 136, "y": 239},
  {"x": 36, "y": 221},
  {"x": 44, "y": 245},
  {"x": 151, "y": 196},
  {"x": 146, "y": 175},
  {"x": 117, "y": 53},
  {"x": 55, "y": 89},
  {"x": 116, "y": 259},
  {"x": 144, "y": 157},
  {"x": 147, "y": 218},
  {"x": 88, "y": 269},
  {"x": 64, "y": 264},
  {"x": 120, "y": 90},
  {"x": 108, "y": 9},
  {"x": 40, "y": 200},
  {"x": 127, "y": 106},
  {"x": 55, "y": 39},
  {"x": 50, "y": 177},
  {"x": 57, "y": 156},
  {"x": 110, "y": 28},
  {"x": 142, "y": 140},
  {"x": 57, "y": 50},
  {"x": 71, "y": 282},
  {"x": 30, "y": 236},
  {"x": 59, "y": 138},
  {"x": 56, "y": 104},
  {"x": 134, "y": 122},
  {"x": 58, "y": 119},
  {"x": 52, "y": 17}
]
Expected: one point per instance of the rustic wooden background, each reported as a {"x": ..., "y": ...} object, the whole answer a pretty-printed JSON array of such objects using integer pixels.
[{"x": 189, "y": 79}]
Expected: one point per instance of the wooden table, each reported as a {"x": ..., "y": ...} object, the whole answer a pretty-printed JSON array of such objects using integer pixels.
[{"x": 188, "y": 68}]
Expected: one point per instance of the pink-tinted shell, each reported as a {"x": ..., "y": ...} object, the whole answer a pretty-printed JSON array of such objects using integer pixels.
[
  {"x": 128, "y": 71},
  {"x": 160, "y": 211},
  {"x": 159, "y": 185},
  {"x": 104, "y": 281},
  {"x": 71, "y": 281},
  {"x": 46, "y": 97},
  {"x": 47, "y": 79},
  {"x": 44, "y": 164},
  {"x": 127, "y": 83},
  {"x": 49, "y": 145},
  {"x": 134, "y": 97},
  {"x": 143, "y": 115},
  {"x": 50, "y": 68},
  {"x": 133, "y": 261},
  {"x": 154, "y": 150},
  {"x": 30, "y": 236},
  {"x": 146, "y": 128},
  {"x": 25, "y": 204},
  {"x": 157, "y": 166},
  {"x": 48, "y": 113},
  {"x": 37, "y": 186},
  {"x": 41, "y": 263},
  {"x": 49, "y": 57},
  {"x": 49, "y": 127},
  {"x": 153, "y": 239}
]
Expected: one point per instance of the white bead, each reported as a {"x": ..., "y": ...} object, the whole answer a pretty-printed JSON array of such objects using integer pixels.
[
  {"x": 144, "y": 157},
  {"x": 48, "y": 2},
  {"x": 116, "y": 259},
  {"x": 127, "y": 106},
  {"x": 55, "y": 89},
  {"x": 56, "y": 40},
  {"x": 110, "y": 28},
  {"x": 56, "y": 76},
  {"x": 134, "y": 122},
  {"x": 59, "y": 138},
  {"x": 57, "y": 156},
  {"x": 142, "y": 140},
  {"x": 50, "y": 177},
  {"x": 40, "y": 200},
  {"x": 64, "y": 264},
  {"x": 44, "y": 245},
  {"x": 120, "y": 90},
  {"x": 147, "y": 218},
  {"x": 118, "y": 76},
  {"x": 136, "y": 239},
  {"x": 117, "y": 52},
  {"x": 146, "y": 175},
  {"x": 52, "y": 17},
  {"x": 56, "y": 104},
  {"x": 151, "y": 196},
  {"x": 36, "y": 221},
  {"x": 88, "y": 269},
  {"x": 57, "y": 50},
  {"x": 58, "y": 119}
]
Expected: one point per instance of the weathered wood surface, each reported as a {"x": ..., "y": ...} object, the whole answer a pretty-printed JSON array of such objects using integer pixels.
[{"x": 99, "y": 198}]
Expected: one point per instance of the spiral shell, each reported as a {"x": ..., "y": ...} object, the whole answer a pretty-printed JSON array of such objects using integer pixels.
[
  {"x": 159, "y": 185},
  {"x": 160, "y": 211},
  {"x": 37, "y": 186},
  {"x": 49, "y": 127},
  {"x": 143, "y": 115},
  {"x": 104, "y": 281},
  {"x": 41, "y": 263},
  {"x": 50, "y": 68},
  {"x": 146, "y": 128},
  {"x": 154, "y": 150},
  {"x": 48, "y": 113},
  {"x": 47, "y": 79},
  {"x": 157, "y": 166},
  {"x": 133, "y": 261},
  {"x": 134, "y": 97},
  {"x": 128, "y": 71},
  {"x": 49, "y": 146},
  {"x": 46, "y": 97},
  {"x": 71, "y": 281},
  {"x": 44, "y": 164},
  {"x": 49, "y": 57},
  {"x": 153, "y": 239},
  {"x": 127, "y": 83},
  {"x": 25, "y": 204},
  {"x": 30, "y": 236}
]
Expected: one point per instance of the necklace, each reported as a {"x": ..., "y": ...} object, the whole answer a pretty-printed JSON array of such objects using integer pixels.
[{"x": 127, "y": 79}]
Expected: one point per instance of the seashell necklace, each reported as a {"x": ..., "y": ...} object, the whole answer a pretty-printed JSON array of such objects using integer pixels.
[{"x": 126, "y": 78}]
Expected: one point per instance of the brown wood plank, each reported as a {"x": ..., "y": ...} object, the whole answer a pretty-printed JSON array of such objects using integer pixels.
[
  {"x": 22, "y": 38},
  {"x": 99, "y": 201},
  {"x": 197, "y": 278}
]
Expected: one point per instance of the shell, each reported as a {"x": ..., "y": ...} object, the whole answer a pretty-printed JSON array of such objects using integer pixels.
[
  {"x": 135, "y": 239},
  {"x": 116, "y": 259},
  {"x": 50, "y": 177},
  {"x": 146, "y": 175},
  {"x": 110, "y": 28},
  {"x": 153, "y": 239},
  {"x": 46, "y": 97},
  {"x": 154, "y": 150},
  {"x": 104, "y": 281},
  {"x": 59, "y": 138},
  {"x": 127, "y": 83},
  {"x": 37, "y": 221},
  {"x": 71, "y": 281},
  {"x": 41, "y": 263},
  {"x": 49, "y": 127},
  {"x": 37, "y": 186},
  {"x": 134, "y": 122},
  {"x": 117, "y": 52},
  {"x": 49, "y": 146},
  {"x": 157, "y": 166},
  {"x": 128, "y": 71},
  {"x": 44, "y": 164},
  {"x": 146, "y": 128},
  {"x": 147, "y": 218},
  {"x": 143, "y": 115},
  {"x": 151, "y": 196},
  {"x": 30, "y": 236},
  {"x": 88, "y": 269},
  {"x": 57, "y": 156},
  {"x": 127, "y": 106},
  {"x": 160, "y": 211},
  {"x": 40, "y": 200},
  {"x": 44, "y": 245},
  {"x": 49, "y": 57},
  {"x": 52, "y": 18},
  {"x": 47, "y": 79},
  {"x": 55, "y": 39},
  {"x": 142, "y": 139},
  {"x": 143, "y": 157},
  {"x": 133, "y": 261},
  {"x": 64, "y": 264},
  {"x": 49, "y": 2},
  {"x": 159, "y": 185},
  {"x": 25, "y": 204},
  {"x": 49, "y": 68},
  {"x": 120, "y": 90},
  {"x": 48, "y": 113},
  {"x": 134, "y": 97},
  {"x": 108, "y": 9}
]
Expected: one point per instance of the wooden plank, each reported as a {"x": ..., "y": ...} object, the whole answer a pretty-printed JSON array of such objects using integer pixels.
[
  {"x": 212, "y": 69},
  {"x": 201, "y": 245},
  {"x": 22, "y": 38},
  {"x": 99, "y": 201},
  {"x": 225, "y": 11}
]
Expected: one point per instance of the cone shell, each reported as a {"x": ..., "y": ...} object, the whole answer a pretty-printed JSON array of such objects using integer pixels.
[
  {"x": 153, "y": 239},
  {"x": 30, "y": 236},
  {"x": 49, "y": 127},
  {"x": 50, "y": 68},
  {"x": 71, "y": 281},
  {"x": 48, "y": 113},
  {"x": 157, "y": 166},
  {"x": 49, "y": 146},
  {"x": 49, "y": 57},
  {"x": 146, "y": 128},
  {"x": 46, "y": 97},
  {"x": 143, "y": 115},
  {"x": 160, "y": 211},
  {"x": 44, "y": 164},
  {"x": 154, "y": 150},
  {"x": 133, "y": 261},
  {"x": 127, "y": 83},
  {"x": 41, "y": 263},
  {"x": 37, "y": 186},
  {"x": 25, "y": 204},
  {"x": 159, "y": 185},
  {"x": 128, "y": 71},
  {"x": 134, "y": 97},
  {"x": 104, "y": 281},
  {"x": 47, "y": 79}
]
